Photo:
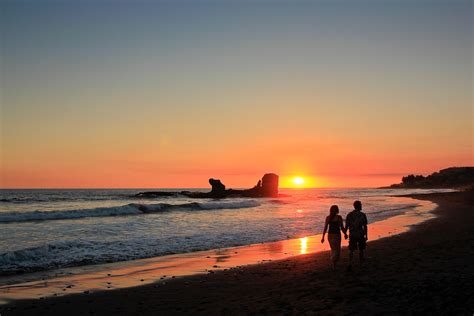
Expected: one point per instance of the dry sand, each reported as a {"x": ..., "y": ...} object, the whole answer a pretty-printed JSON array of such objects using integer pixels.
[{"x": 428, "y": 270}]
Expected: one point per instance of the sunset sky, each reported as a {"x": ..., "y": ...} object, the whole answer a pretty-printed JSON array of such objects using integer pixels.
[{"x": 168, "y": 94}]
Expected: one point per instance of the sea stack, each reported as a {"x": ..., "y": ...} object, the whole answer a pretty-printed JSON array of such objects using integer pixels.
[
  {"x": 218, "y": 188},
  {"x": 270, "y": 185}
]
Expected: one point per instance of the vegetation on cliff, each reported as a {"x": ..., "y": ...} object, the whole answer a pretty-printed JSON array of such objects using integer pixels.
[{"x": 454, "y": 177}]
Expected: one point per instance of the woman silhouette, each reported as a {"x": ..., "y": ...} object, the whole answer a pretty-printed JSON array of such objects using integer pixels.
[{"x": 335, "y": 224}]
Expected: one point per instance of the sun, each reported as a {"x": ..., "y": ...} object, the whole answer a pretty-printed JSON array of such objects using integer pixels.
[{"x": 298, "y": 180}]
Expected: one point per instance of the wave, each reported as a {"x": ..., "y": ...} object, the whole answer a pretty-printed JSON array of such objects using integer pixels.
[
  {"x": 396, "y": 209},
  {"x": 67, "y": 254},
  {"x": 129, "y": 209},
  {"x": 36, "y": 258},
  {"x": 82, "y": 252},
  {"x": 50, "y": 199}
]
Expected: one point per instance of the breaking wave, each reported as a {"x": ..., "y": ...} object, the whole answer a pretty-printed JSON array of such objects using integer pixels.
[{"x": 129, "y": 209}]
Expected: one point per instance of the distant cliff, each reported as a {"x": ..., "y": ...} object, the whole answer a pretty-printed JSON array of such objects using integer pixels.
[{"x": 455, "y": 177}]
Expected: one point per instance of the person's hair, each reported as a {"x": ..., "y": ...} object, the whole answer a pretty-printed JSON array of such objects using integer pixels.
[
  {"x": 358, "y": 205},
  {"x": 333, "y": 211}
]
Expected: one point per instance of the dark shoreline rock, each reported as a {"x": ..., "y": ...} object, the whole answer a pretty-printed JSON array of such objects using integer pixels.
[
  {"x": 449, "y": 178},
  {"x": 267, "y": 187}
]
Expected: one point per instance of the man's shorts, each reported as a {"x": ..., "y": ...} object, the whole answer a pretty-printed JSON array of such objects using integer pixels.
[{"x": 356, "y": 243}]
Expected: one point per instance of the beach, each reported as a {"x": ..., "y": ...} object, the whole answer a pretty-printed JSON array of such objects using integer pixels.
[
  {"x": 425, "y": 270},
  {"x": 188, "y": 157}
]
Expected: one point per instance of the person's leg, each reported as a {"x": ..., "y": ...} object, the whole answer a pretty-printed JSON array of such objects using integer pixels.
[
  {"x": 351, "y": 251},
  {"x": 351, "y": 255},
  {"x": 337, "y": 250},
  {"x": 335, "y": 243},
  {"x": 331, "y": 245},
  {"x": 353, "y": 246},
  {"x": 361, "y": 250}
]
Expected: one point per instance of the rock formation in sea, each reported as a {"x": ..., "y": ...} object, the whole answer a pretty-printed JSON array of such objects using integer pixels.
[
  {"x": 270, "y": 185},
  {"x": 218, "y": 189},
  {"x": 266, "y": 187}
]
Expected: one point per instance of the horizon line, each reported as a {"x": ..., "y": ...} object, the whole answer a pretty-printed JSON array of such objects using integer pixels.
[{"x": 170, "y": 188}]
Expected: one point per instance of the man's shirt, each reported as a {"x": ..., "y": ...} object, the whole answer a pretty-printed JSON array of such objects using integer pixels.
[{"x": 355, "y": 221}]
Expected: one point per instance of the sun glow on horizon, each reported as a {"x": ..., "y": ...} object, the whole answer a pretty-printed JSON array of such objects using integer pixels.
[{"x": 298, "y": 181}]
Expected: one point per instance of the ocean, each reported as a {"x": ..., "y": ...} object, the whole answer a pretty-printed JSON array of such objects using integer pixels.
[{"x": 49, "y": 229}]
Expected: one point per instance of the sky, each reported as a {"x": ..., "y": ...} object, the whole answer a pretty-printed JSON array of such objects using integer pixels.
[{"x": 150, "y": 94}]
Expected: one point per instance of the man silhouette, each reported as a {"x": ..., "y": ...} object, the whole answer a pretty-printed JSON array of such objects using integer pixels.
[{"x": 356, "y": 223}]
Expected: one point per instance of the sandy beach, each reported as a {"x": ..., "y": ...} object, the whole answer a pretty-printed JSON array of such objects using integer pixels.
[{"x": 426, "y": 270}]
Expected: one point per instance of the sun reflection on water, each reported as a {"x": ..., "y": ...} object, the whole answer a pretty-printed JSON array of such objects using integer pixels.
[{"x": 303, "y": 245}]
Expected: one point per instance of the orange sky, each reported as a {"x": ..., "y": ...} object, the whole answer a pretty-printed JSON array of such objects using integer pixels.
[
  {"x": 144, "y": 163},
  {"x": 168, "y": 96}
]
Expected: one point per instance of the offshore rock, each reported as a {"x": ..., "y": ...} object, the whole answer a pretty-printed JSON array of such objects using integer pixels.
[
  {"x": 218, "y": 189},
  {"x": 270, "y": 185},
  {"x": 266, "y": 187}
]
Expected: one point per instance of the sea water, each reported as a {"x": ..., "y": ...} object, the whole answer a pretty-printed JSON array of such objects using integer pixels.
[{"x": 48, "y": 229}]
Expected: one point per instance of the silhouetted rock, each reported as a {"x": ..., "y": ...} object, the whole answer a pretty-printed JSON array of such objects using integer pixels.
[
  {"x": 270, "y": 185},
  {"x": 218, "y": 189},
  {"x": 267, "y": 187},
  {"x": 153, "y": 194},
  {"x": 258, "y": 185}
]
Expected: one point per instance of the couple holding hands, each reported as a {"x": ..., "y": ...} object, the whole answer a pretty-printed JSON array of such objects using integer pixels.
[{"x": 356, "y": 224}]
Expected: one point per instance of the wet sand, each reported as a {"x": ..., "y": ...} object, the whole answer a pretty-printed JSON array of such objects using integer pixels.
[{"x": 428, "y": 269}]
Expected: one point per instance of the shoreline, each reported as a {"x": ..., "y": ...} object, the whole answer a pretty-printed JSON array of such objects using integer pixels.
[
  {"x": 306, "y": 284},
  {"x": 128, "y": 274}
]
